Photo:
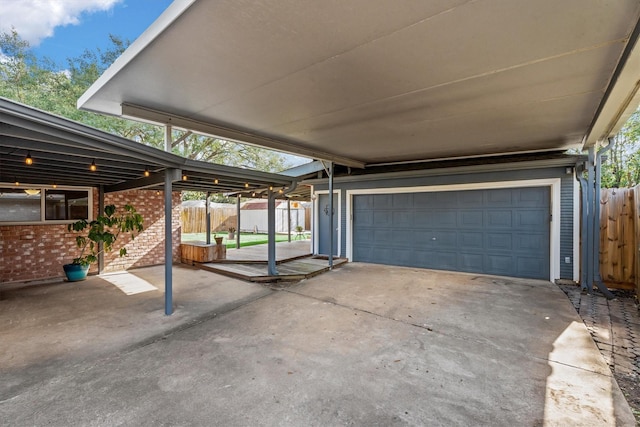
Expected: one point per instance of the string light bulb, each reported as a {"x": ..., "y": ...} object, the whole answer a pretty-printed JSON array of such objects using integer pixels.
[
  {"x": 93, "y": 167},
  {"x": 215, "y": 181},
  {"x": 55, "y": 185},
  {"x": 146, "y": 172},
  {"x": 246, "y": 185},
  {"x": 28, "y": 160},
  {"x": 184, "y": 177}
]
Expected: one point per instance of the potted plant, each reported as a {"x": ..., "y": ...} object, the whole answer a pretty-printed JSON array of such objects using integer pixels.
[
  {"x": 104, "y": 229},
  {"x": 232, "y": 233},
  {"x": 218, "y": 239}
]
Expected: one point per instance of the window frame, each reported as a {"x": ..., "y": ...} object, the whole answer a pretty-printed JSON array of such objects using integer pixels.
[{"x": 43, "y": 188}]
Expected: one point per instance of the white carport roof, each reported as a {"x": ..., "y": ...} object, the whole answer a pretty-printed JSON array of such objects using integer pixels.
[{"x": 371, "y": 81}]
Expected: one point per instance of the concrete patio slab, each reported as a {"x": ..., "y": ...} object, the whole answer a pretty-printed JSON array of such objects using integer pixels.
[{"x": 361, "y": 345}]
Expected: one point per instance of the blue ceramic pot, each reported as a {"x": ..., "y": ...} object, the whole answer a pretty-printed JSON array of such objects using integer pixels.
[{"x": 76, "y": 272}]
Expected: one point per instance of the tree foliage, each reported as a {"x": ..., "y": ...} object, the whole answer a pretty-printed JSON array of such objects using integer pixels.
[
  {"x": 622, "y": 168},
  {"x": 38, "y": 82}
]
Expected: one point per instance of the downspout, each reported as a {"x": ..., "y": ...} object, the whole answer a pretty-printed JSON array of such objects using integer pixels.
[
  {"x": 596, "y": 222},
  {"x": 584, "y": 254}
]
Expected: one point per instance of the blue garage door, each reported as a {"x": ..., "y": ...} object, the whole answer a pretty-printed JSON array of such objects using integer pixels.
[{"x": 499, "y": 231}]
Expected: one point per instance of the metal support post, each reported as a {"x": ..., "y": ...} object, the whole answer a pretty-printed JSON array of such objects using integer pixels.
[
  {"x": 271, "y": 234},
  {"x": 238, "y": 222},
  {"x": 207, "y": 216},
  {"x": 331, "y": 230},
  {"x": 168, "y": 245}
]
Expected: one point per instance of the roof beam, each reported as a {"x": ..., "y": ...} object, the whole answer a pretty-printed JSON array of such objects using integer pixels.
[
  {"x": 153, "y": 180},
  {"x": 243, "y": 137}
]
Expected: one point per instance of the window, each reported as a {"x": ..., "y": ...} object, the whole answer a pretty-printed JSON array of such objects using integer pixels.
[
  {"x": 29, "y": 204},
  {"x": 66, "y": 205}
]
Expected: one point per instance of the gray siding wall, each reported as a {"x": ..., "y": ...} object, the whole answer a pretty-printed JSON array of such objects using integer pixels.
[{"x": 566, "y": 196}]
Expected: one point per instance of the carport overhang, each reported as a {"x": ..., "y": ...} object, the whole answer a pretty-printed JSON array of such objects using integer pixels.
[
  {"x": 362, "y": 83},
  {"x": 63, "y": 150}
]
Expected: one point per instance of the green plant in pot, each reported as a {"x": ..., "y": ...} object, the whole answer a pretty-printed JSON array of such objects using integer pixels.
[
  {"x": 105, "y": 229},
  {"x": 232, "y": 233}
]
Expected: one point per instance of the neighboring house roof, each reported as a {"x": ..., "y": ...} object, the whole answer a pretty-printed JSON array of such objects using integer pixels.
[
  {"x": 62, "y": 151},
  {"x": 364, "y": 82}
]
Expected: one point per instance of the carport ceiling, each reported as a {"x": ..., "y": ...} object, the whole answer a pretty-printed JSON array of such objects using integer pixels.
[{"x": 371, "y": 81}]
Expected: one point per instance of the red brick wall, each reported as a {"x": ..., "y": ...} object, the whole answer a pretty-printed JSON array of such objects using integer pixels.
[{"x": 37, "y": 252}]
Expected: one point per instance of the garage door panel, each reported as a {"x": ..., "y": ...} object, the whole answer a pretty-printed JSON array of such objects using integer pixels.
[
  {"x": 529, "y": 266},
  {"x": 470, "y": 218},
  {"x": 499, "y": 241},
  {"x": 501, "y": 231},
  {"x": 498, "y": 198},
  {"x": 424, "y": 200},
  {"x": 445, "y": 260},
  {"x": 383, "y": 201},
  {"x": 404, "y": 199},
  {"x": 529, "y": 242},
  {"x": 499, "y": 264},
  {"x": 499, "y": 219},
  {"x": 445, "y": 218},
  {"x": 532, "y": 198},
  {"x": 445, "y": 239},
  {"x": 471, "y": 262},
  {"x": 364, "y": 218},
  {"x": 531, "y": 218},
  {"x": 470, "y": 240},
  {"x": 470, "y": 199},
  {"x": 423, "y": 218},
  {"x": 402, "y": 218}
]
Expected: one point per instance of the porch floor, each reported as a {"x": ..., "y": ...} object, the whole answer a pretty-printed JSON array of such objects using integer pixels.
[{"x": 294, "y": 261}]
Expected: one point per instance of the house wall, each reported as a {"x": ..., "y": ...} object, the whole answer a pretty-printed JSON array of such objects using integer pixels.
[
  {"x": 566, "y": 197},
  {"x": 38, "y": 251}
]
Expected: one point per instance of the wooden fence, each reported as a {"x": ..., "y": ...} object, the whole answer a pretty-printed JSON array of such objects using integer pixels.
[
  {"x": 193, "y": 219},
  {"x": 619, "y": 237}
]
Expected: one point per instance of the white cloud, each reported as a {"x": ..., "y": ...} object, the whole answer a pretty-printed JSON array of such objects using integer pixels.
[{"x": 35, "y": 20}]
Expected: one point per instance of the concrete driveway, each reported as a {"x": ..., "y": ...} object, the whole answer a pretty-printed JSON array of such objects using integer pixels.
[{"x": 361, "y": 345}]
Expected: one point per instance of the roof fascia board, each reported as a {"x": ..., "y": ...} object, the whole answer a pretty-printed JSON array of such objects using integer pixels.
[
  {"x": 146, "y": 114},
  {"x": 457, "y": 170},
  {"x": 305, "y": 169},
  {"x": 621, "y": 98},
  {"x": 173, "y": 12}
]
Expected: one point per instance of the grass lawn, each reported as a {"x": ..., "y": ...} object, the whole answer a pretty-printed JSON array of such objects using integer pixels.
[{"x": 246, "y": 239}]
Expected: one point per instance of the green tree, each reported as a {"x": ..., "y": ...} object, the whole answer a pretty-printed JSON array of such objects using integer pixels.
[
  {"x": 622, "y": 168},
  {"x": 38, "y": 82}
]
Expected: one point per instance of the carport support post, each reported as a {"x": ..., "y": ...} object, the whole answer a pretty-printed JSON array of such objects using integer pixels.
[
  {"x": 271, "y": 234},
  {"x": 168, "y": 244},
  {"x": 331, "y": 230},
  {"x": 100, "y": 245},
  {"x": 289, "y": 218},
  {"x": 238, "y": 222},
  {"x": 207, "y": 215}
]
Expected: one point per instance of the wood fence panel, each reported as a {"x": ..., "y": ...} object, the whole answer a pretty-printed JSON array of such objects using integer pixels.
[
  {"x": 636, "y": 243},
  {"x": 193, "y": 219},
  {"x": 618, "y": 237}
]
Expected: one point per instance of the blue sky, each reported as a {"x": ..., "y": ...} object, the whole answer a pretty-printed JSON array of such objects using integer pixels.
[{"x": 61, "y": 29}]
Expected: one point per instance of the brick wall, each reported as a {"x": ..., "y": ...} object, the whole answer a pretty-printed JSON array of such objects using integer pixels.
[{"x": 37, "y": 252}]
